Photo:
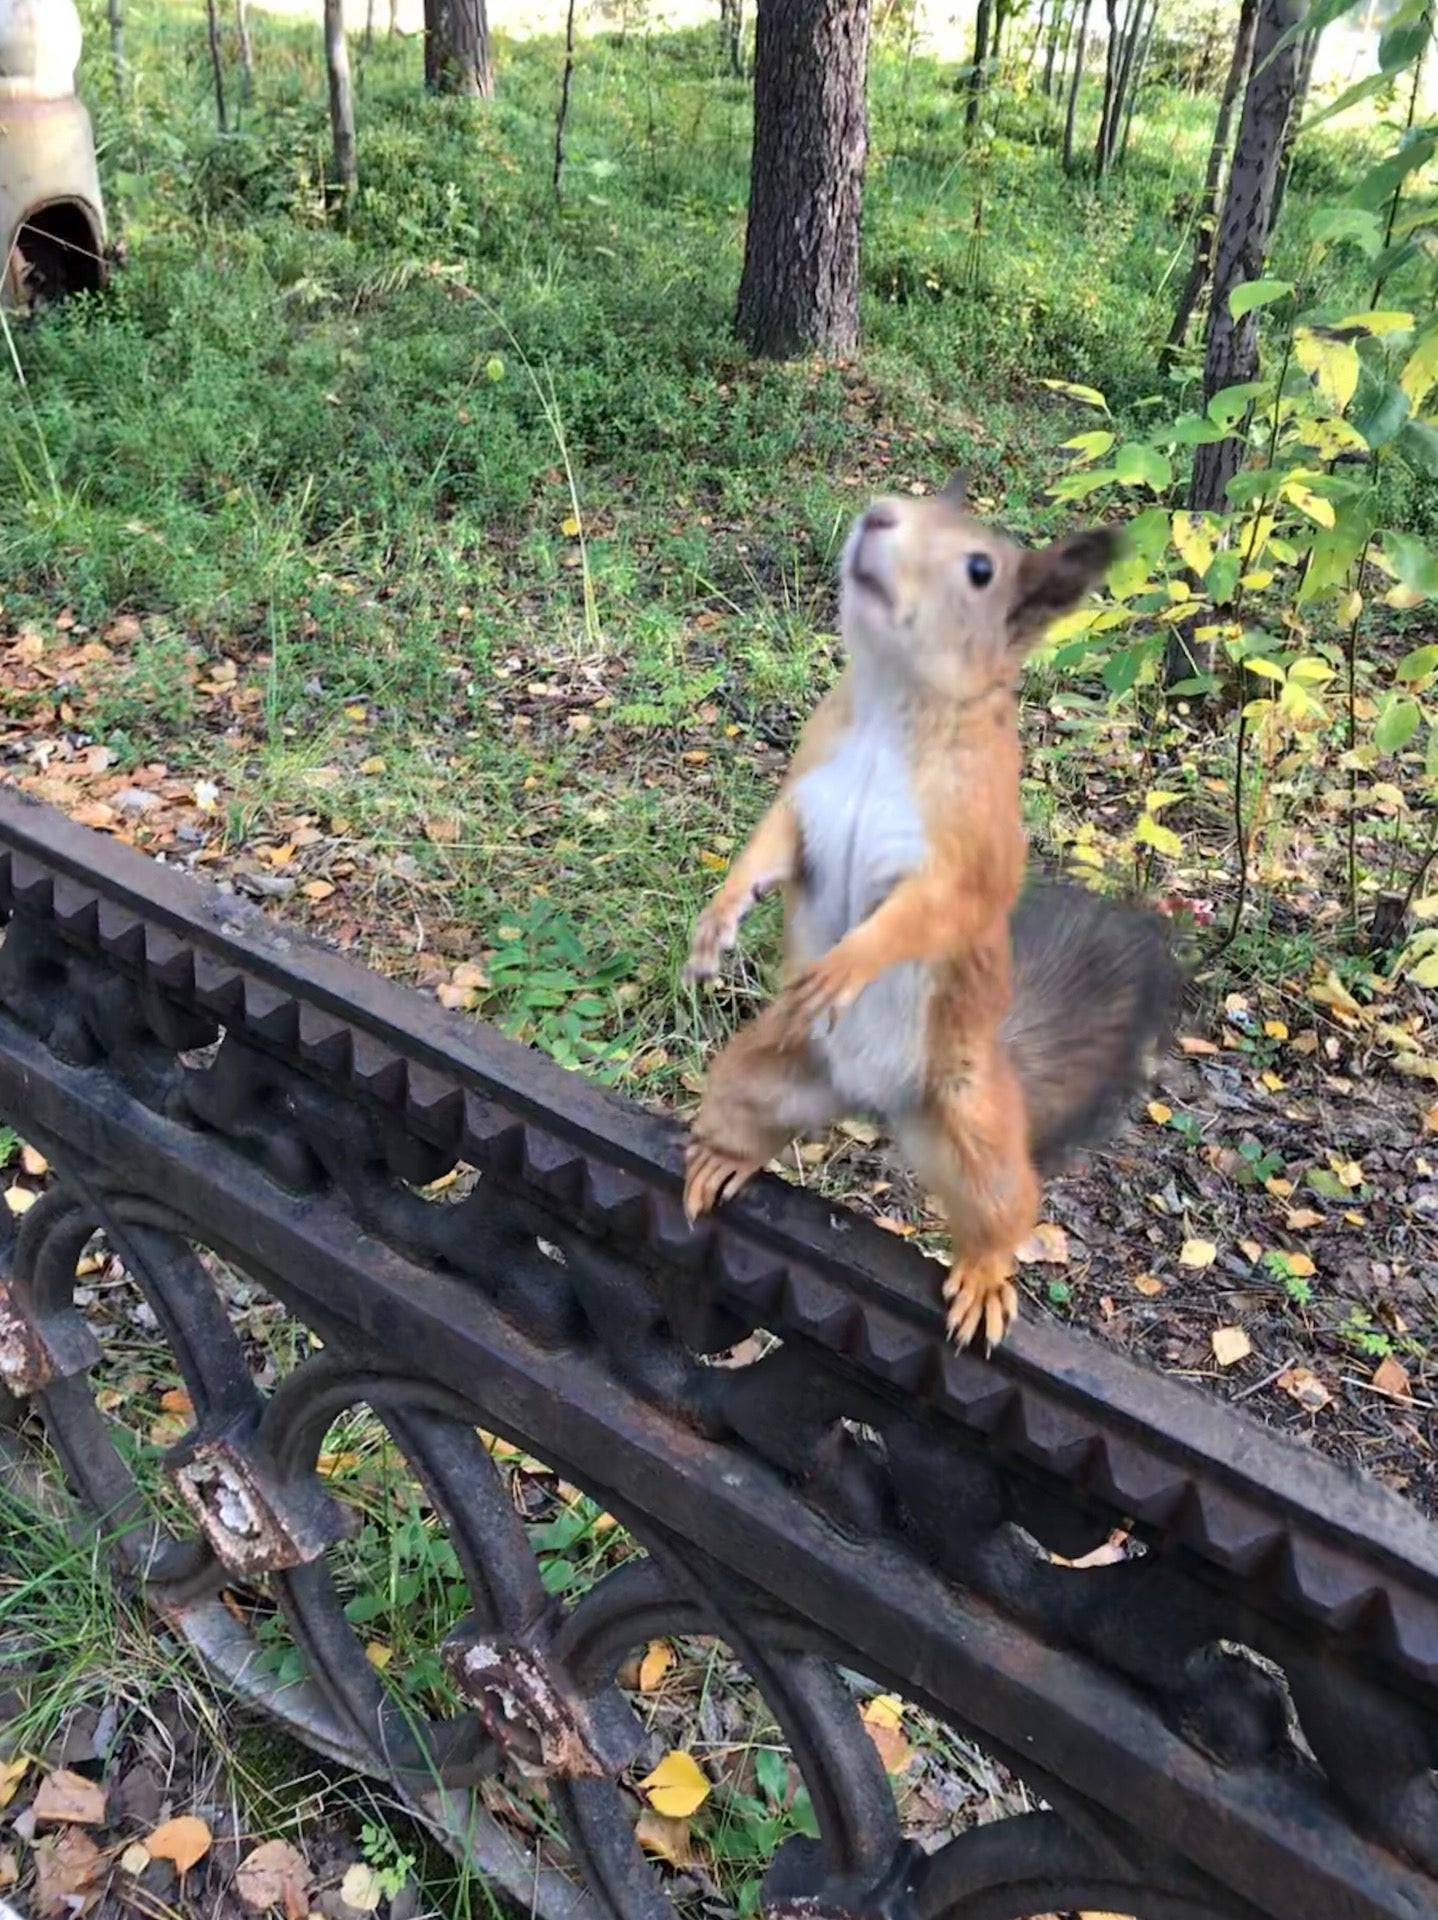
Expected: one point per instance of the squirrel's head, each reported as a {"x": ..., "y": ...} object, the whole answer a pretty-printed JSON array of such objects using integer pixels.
[{"x": 930, "y": 592}]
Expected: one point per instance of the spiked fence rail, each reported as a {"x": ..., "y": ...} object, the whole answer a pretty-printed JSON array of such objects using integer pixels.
[{"x": 1243, "y": 1721}]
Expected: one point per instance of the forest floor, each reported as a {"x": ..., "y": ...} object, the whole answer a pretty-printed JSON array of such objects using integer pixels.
[{"x": 454, "y": 585}]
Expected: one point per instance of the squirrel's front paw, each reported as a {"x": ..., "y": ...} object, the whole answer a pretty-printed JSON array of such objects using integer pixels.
[
  {"x": 715, "y": 933},
  {"x": 980, "y": 1294},
  {"x": 821, "y": 991}
]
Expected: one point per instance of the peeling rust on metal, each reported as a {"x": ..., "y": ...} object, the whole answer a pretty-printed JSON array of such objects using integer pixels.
[{"x": 528, "y": 1716}]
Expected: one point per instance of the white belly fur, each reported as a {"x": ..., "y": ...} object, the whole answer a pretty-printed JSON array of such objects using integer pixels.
[{"x": 861, "y": 835}]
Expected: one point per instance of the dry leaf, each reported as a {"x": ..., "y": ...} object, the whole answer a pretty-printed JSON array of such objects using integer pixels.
[
  {"x": 274, "y": 1875},
  {"x": 468, "y": 975},
  {"x": 1268, "y": 1078},
  {"x": 1230, "y": 1345},
  {"x": 1275, "y": 1029},
  {"x": 176, "y": 1400},
  {"x": 12, "y": 1772},
  {"x": 1149, "y": 1285},
  {"x": 135, "y": 1858},
  {"x": 1392, "y": 1377},
  {"x": 378, "y": 1655},
  {"x": 883, "y": 1716},
  {"x": 1298, "y": 1219},
  {"x": 1252, "y": 1250},
  {"x": 456, "y": 999},
  {"x": 1303, "y": 1385},
  {"x": 1197, "y": 1253},
  {"x": 570, "y": 525},
  {"x": 1047, "y": 1245},
  {"x": 657, "y": 1661},
  {"x": 443, "y": 829},
  {"x": 33, "y": 1162},
  {"x": 318, "y": 889},
  {"x": 182, "y": 1842},
  {"x": 67, "y": 1867},
  {"x": 9, "y": 1869},
  {"x": 1299, "y": 1265},
  {"x": 1191, "y": 1044},
  {"x": 69, "y": 1799},
  {"x": 669, "y": 1838},
  {"x": 676, "y": 1786},
  {"x": 1430, "y": 1120},
  {"x": 375, "y": 764},
  {"x": 1159, "y": 1113},
  {"x": 20, "y": 1199},
  {"x": 361, "y": 1888}
]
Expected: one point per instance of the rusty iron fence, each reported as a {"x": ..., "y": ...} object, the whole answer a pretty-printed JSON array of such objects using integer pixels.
[{"x": 1240, "y": 1721}]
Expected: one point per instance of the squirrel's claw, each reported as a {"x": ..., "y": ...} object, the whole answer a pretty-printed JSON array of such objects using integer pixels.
[
  {"x": 714, "y": 936},
  {"x": 710, "y": 1177}
]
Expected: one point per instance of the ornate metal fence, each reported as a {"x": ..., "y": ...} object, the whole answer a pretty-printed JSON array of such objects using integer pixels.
[{"x": 1241, "y": 1721}]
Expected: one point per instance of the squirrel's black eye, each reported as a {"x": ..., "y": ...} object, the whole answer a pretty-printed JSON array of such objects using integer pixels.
[{"x": 980, "y": 569}]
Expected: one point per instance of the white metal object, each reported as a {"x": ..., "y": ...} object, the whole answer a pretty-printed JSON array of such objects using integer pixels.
[{"x": 52, "y": 218}]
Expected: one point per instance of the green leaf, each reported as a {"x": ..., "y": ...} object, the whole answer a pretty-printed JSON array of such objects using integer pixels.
[
  {"x": 1417, "y": 665},
  {"x": 1229, "y": 404},
  {"x": 1425, "y": 974},
  {"x": 1090, "y": 396},
  {"x": 1350, "y": 97},
  {"x": 1256, "y": 293},
  {"x": 1152, "y": 833},
  {"x": 1397, "y": 723},
  {"x": 1381, "y": 415},
  {"x": 1376, "y": 187},
  {"x": 1221, "y": 580},
  {"x": 1139, "y": 466},
  {"x": 1322, "y": 14},
  {"x": 1148, "y": 534},
  {"x": 1364, "y": 229},
  {"x": 1420, "y": 370},
  {"x": 1400, "y": 46},
  {"x": 1418, "y": 445},
  {"x": 1414, "y": 565},
  {"x": 1090, "y": 446}
]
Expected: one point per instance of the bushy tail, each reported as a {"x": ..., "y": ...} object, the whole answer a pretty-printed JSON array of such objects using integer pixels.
[{"x": 1096, "y": 993}]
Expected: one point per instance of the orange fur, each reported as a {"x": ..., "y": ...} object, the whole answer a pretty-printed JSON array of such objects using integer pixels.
[{"x": 936, "y": 639}]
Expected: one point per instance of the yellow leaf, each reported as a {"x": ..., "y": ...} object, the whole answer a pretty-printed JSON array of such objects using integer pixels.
[
  {"x": 317, "y": 889},
  {"x": 1193, "y": 541},
  {"x": 1278, "y": 1186},
  {"x": 1230, "y": 1345},
  {"x": 712, "y": 862},
  {"x": 20, "y": 1199},
  {"x": 135, "y": 1859},
  {"x": 884, "y": 1718},
  {"x": 668, "y": 1838},
  {"x": 1047, "y": 1245},
  {"x": 361, "y": 1889},
  {"x": 182, "y": 1842},
  {"x": 1300, "y": 1217},
  {"x": 1271, "y": 1081},
  {"x": 358, "y": 714},
  {"x": 1149, "y": 1285},
  {"x": 378, "y": 1655},
  {"x": 1197, "y": 1253},
  {"x": 1159, "y": 1113},
  {"x": 1333, "y": 364},
  {"x": 658, "y": 1659},
  {"x": 1275, "y": 1029},
  {"x": 1193, "y": 1043},
  {"x": 1421, "y": 371},
  {"x": 1252, "y": 1249},
  {"x": 1303, "y": 1385},
  {"x": 676, "y": 1787},
  {"x": 1299, "y": 1265},
  {"x": 570, "y": 525},
  {"x": 375, "y": 764},
  {"x": 33, "y": 1162},
  {"x": 12, "y": 1772}
]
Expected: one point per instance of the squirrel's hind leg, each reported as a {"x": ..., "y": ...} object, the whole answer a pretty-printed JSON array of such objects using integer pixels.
[
  {"x": 969, "y": 1145},
  {"x": 758, "y": 1094}
]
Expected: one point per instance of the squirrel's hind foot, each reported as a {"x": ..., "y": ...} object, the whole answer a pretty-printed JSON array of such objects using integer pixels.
[
  {"x": 712, "y": 1176},
  {"x": 980, "y": 1294}
]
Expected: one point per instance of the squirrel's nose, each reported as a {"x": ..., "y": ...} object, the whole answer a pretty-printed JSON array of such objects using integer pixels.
[{"x": 880, "y": 516}]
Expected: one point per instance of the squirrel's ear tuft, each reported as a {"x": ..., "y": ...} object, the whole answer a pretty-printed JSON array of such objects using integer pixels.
[
  {"x": 1056, "y": 578},
  {"x": 956, "y": 488}
]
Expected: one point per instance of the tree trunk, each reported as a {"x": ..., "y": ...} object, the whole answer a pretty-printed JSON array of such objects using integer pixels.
[
  {"x": 1036, "y": 45},
  {"x": 1290, "y": 136},
  {"x": 1056, "y": 25},
  {"x": 1208, "y": 203},
  {"x": 562, "y": 116},
  {"x": 1139, "y": 65},
  {"x": 369, "y": 27},
  {"x": 342, "y": 101},
  {"x": 116, "y": 14},
  {"x": 247, "y": 52},
  {"x": 731, "y": 34},
  {"x": 1074, "y": 84},
  {"x": 456, "y": 47},
  {"x": 217, "y": 63},
  {"x": 1243, "y": 235},
  {"x": 1112, "y": 52},
  {"x": 1128, "y": 47},
  {"x": 975, "y": 81},
  {"x": 800, "y": 285},
  {"x": 393, "y": 18}
]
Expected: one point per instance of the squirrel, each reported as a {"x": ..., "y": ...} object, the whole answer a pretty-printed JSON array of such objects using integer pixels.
[{"x": 989, "y": 1029}]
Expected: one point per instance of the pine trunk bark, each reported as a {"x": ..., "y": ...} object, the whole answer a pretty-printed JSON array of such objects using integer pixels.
[
  {"x": 342, "y": 101},
  {"x": 1113, "y": 53},
  {"x": 456, "y": 47},
  {"x": 1207, "y": 219},
  {"x": 800, "y": 285},
  {"x": 1074, "y": 84},
  {"x": 1128, "y": 48},
  {"x": 1137, "y": 81},
  {"x": 731, "y": 31},
  {"x": 1244, "y": 231}
]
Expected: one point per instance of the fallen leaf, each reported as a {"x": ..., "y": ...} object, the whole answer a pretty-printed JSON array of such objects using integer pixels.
[
  {"x": 1197, "y": 1253},
  {"x": 318, "y": 889},
  {"x": 1252, "y": 1250},
  {"x": 883, "y": 1716},
  {"x": 660, "y": 1834},
  {"x": 717, "y": 862},
  {"x": 182, "y": 1842},
  {"x": 456, "y": 999},
  {"x": 1230, "y": 1345},
  {"x": 1390, "y": 1376},
  {"x": 657, "y": 1661},
  {"x": 1149, "y": 1285},
  {"x": 676, "y": 1787},
  {"x": 176, "y": 1400},
  {"x": 135, "y": 1858},
  {"x": 33, "y": 1162},
  {"x": 470, "y": 976},
  {"x": 375, "y": 764},
  {"x": 1430, "y": 1120},
  {"x": 20, "y": 1199},
  {"x": 1108, "y": 1553},
  {"x": 1299, "y": 1265},
  {"x": 378, "y": 1655},
  {"x": 1047, "y": 1245},
  {"x": 274, "y": 1875},
  {"x": 67, "y": 1867},
  {"x": 1272, "y": 1081},
  {"x": 12, "y": 1772},
  {"x": 443, "y": 829},
  {"x": 570, "y": 525},
  {"x": 9, "y": 1868},
  {"x": 361, "y": 1888},
  {"x": 1159, "y": 1113},
  {"x": 69, "y": 1799},
  {"x": 1192, "y": 1044},
  {"x": 1299, "y": 1218},
  {"x": 1275, "y": 1029},
  {"x": 1303, "y": 1385}
]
